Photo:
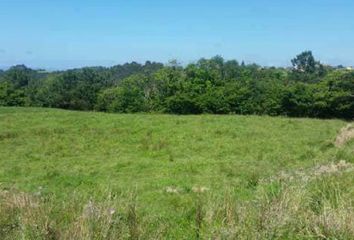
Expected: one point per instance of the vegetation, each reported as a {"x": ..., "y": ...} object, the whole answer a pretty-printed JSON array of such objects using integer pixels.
[
  {"x": 94, "y": 175},
  {"x": 85, "y": 175},
  {"x": 308, "y": 89}
]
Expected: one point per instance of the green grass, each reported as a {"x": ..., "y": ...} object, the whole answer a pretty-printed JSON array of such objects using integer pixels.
[{"x": 57, "y": 152}]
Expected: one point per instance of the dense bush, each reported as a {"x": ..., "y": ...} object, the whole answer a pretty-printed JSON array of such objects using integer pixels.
[{"x": 308, "y": 89}]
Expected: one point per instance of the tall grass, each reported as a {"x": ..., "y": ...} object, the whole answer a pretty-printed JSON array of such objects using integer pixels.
[{"x": 320, "y": 208}]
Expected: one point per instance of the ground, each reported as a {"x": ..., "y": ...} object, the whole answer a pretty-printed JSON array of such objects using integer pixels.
[{"x": 165, "y": 161}]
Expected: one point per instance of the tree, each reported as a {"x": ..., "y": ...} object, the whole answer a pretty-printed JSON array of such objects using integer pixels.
[
  {"x": 131, "y": 95},
  {"x": 338, "y": 94},
  {"x": 306, "y": 68},
  {"x": 304, "y": 62},
  {"x": 212, "y": 85},
  {"x": 299, "y": 100},
  {"x": 11, "y": 96}
]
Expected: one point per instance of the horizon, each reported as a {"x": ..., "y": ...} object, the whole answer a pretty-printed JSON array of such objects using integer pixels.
[
  {"x": 61, "y": 35},
  {"x": 5, "y": 68}
]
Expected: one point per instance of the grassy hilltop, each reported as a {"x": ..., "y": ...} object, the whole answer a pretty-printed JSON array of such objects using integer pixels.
[{"x": 142, "y": 176}]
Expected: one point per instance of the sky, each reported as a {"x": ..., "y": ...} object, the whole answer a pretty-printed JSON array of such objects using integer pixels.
[{"x": 61, "y": 34}]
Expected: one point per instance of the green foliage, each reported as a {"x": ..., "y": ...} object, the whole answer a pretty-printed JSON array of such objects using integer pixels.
[
  {"x": 214, "y": 85},
  {"x": 339, "y": 92},
  {"x": 10, "y": 96},
  {"x": 305, "y": 62},
  {"x": 306, "y": 68},
  {"x": 131, "y": 95}
]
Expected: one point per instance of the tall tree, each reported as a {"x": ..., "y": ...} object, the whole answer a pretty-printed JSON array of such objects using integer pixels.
[{"x": 306, "y": 68}]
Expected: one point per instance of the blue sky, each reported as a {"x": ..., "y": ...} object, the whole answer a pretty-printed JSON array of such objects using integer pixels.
[{"x": 57, "y": 34}]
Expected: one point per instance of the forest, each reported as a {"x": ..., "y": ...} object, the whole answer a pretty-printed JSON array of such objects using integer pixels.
[{"x": 214, "y": 86}]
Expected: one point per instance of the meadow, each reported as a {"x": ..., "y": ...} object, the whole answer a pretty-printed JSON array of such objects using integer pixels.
[{"x": 88, "y": 175}]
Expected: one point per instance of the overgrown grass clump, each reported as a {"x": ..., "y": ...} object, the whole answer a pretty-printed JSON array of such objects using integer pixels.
[
  {"x": 77, "y": 175},
  {"x": 319, "y": 209}
]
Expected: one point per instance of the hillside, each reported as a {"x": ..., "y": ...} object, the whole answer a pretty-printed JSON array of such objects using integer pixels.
[{"x": 169, "y": 176}]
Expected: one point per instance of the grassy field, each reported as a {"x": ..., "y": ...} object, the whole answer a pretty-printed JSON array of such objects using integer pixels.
[{"x": 85, "y": 175}]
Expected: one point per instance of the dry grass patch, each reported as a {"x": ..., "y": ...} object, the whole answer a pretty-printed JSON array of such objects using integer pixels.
[{"x": 345, "y": 135}]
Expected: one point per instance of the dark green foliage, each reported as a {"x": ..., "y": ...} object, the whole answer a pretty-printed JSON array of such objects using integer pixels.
[
  {"x": 305, "y": 62},
  {"x": 299, "y": 100},
  {"x": 130, "y": 96},
  {"x": 339, "y": 92},
  {"x": 306, "y": 68},
  {"x": 214, "y": 85},
  {"x": 10, "y": 96},
  {"x": 76, "y": 89}
]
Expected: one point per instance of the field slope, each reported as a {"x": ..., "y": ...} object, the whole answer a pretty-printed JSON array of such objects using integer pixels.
[{"x": 175, "y": 177}]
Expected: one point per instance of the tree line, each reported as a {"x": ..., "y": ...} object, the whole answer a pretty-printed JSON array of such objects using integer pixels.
[{"x": 217, "y": 86}]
